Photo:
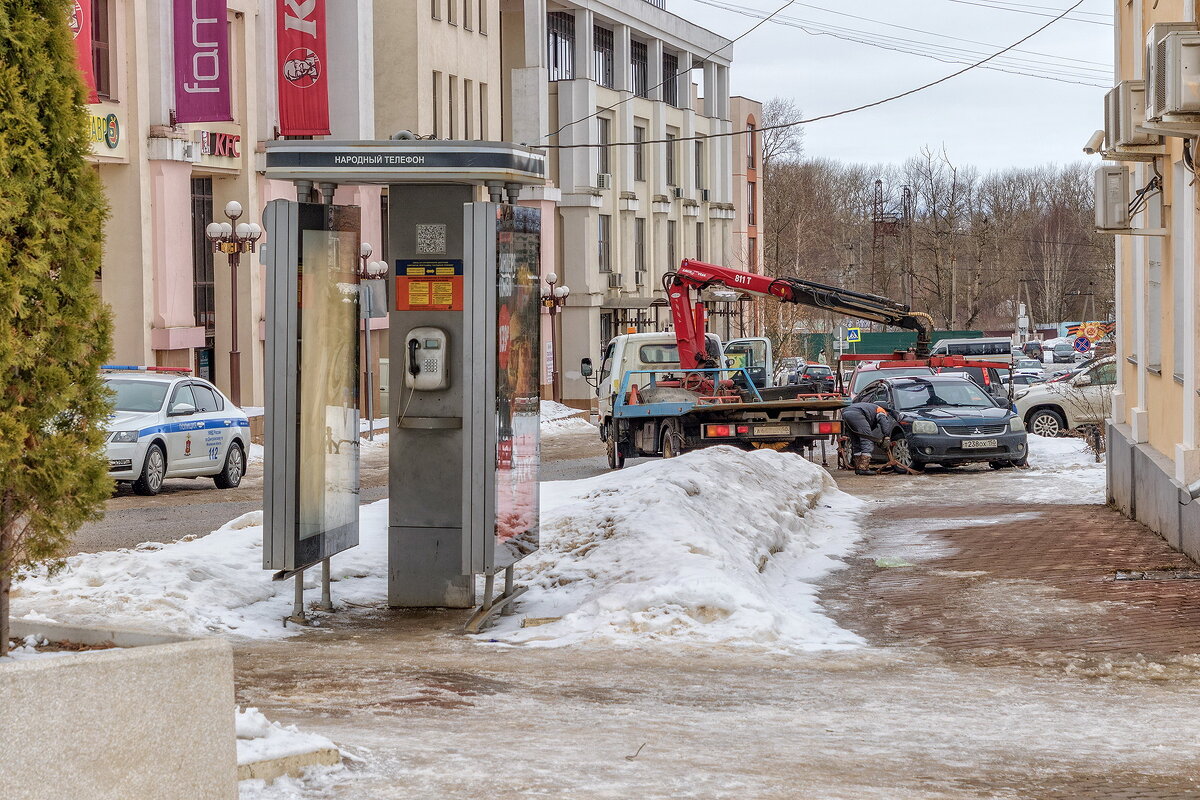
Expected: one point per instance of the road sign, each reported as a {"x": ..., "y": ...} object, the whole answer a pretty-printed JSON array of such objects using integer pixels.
[
  {"x": 854, "y": 334},
  {"x": 1082, "y": 344}
]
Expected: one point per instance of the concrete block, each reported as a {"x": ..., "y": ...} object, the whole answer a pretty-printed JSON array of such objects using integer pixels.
[
  {"x": 153, "y": 721},
  {"x": 272, "y": 768}
]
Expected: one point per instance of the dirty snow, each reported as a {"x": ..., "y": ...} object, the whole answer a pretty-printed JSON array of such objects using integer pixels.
[
  {"x": 259, "y": 739},
  {"x": 557, "y": 418},
  {"x": 1070, "y": 470},
  {"x": 718, "y": 545}
]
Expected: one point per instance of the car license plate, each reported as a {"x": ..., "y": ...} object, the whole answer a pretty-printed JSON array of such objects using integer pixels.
[
  {"x": 772, "y": 430},
  {"x": 981, "y": 444}
]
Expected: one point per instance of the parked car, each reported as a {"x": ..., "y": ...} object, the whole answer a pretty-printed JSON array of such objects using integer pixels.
[
  {"x": 812, "y": 379},
  {"x": 1064, "y": 353},
  {"x": 949, "y": 419},
  {"x": 867, "y": 371},
  {"x": 1029, "y": 366},
  {"x": 785, "y": 367},
  {"x": 1022, "y": 379},
  {"x": 173, "y": 426},
  {"x": 1054, "y": 407},
  {"x": 990, "y": 378},
  {"x": 1033, "y": 349}
]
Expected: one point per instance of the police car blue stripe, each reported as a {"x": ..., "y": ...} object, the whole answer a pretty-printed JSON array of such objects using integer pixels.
[{"x": 194, "y": 425}]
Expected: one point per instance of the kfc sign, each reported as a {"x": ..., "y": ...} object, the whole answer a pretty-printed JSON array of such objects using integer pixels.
[
  {"x": 303, "y": 89},
  {"x": 223, "y": 145},
  {"x": 201, "y": 61}
]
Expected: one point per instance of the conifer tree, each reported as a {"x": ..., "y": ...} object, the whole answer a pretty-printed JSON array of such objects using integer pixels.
[{"x": 54, "y": 330}]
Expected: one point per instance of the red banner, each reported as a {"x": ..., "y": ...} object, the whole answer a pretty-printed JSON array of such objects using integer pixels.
[
  {"x": 80, "y": 20},
  {"x": 300, "y": 57}
]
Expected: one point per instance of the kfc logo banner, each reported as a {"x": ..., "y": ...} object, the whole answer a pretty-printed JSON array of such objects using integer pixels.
[
  {"x": 300, "y": 47},
  {"x": 79, "y": 18},
  {"x": 201, "y": 61}
]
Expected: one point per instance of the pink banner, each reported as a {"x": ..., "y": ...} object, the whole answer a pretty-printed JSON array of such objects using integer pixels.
[
  {"x": 201, "y": 61},
  {"x": 303, "y": 87},
  {"x": 80, "y": 20}
]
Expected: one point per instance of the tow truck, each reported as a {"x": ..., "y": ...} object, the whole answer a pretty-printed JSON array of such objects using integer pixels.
[{"x": 685, "y": 396}]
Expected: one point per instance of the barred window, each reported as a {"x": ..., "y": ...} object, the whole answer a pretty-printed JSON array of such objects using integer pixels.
[
  {"x": 639, "y": 68},
  {"x": 639, "y": 154},
  {"x": 602, "y": 48},
  {"x": 603, "y": 139},
  {"x": 560, "y": 45},
  {"x": 670, "y": 87},
  {"x": 670, "y": 159},
  {"x": 604, "y": 242}
]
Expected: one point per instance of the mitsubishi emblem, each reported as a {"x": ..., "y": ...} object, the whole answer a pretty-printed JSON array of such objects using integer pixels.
[{"x": 976, "y": 432}]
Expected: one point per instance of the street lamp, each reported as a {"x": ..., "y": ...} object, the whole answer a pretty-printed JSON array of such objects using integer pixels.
[
  {"x": 368, "y": 271},
  {"x": 234, "y": 238},
  {"x": 553, "y": 298}
]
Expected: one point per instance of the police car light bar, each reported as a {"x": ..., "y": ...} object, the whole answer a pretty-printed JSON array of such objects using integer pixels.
[{"x": 130, "y": 368}]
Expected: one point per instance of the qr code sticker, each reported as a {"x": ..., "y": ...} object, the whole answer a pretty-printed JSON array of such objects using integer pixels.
[{"x": 431, "y": 239}]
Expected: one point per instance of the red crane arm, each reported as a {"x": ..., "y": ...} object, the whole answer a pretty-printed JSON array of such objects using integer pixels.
[{"x": 687, "y": 311}]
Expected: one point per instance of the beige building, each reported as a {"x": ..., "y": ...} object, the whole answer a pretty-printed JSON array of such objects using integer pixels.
[{"x": 1153, "y": 432}]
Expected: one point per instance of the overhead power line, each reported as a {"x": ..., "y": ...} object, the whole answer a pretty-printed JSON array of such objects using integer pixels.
[
  {"x": 1042, "y": 13},
  {"x": 844, "y": 111}
]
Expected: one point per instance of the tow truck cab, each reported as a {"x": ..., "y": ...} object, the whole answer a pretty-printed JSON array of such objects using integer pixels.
[{"x": 659, "y": 351}]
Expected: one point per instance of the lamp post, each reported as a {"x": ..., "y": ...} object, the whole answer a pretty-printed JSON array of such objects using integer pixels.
[
  {"x": 369, "y": 270},
  {"x": 553, "y": 298},
  {"x": 234, "y": 238}
]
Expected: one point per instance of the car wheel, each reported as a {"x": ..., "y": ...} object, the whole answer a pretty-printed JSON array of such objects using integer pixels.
[
  {"x": 672, "y": 442},
  {"x": 1046, "y": 422},
  {"x": 154, "y": 470},
  {"x": 235, "y": 467},
  {"x": 904, "y": 456}
]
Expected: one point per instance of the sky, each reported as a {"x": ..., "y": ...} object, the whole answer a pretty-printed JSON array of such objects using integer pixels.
[{"x": 987, "y": 118}]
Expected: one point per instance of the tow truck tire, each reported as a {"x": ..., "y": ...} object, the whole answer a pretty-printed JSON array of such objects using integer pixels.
[
  {"x": 671, "y": 442},
  {"x": 235, "y": 467},
  {"x": 616, "y": 459},
  {"x": 154, "y": 469}
]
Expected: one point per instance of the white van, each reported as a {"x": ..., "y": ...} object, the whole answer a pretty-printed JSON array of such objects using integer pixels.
[{"x": 997, "y": 348}]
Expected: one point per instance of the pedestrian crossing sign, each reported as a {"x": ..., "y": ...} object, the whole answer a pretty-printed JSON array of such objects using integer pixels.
[{"x": 854, "y": 334}]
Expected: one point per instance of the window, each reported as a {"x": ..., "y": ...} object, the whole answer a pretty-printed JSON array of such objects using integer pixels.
[
  {"x": 206, "y": 400},
  {"x": 751, "y": 162},
  {"x": 751, "y": 204},
  {"x": 639, "y": 154},
  {"x": 699, "y": 241},
  {"x": 560, "y": 45},
  {"x": 452, "y": 106},
  {"x": 639, "y": 244},
  {"x": 659, "y": 354},
  {"x": 483, "y": 20},
  {"x": 672, "y": 255},
  {"x": 101, "y": 55},
  {"x": 671, "y": 159},
  {"x": 468, "y": 109},
  {"x": 699, "y": 165},
  {"x": 670, "y": 87},
  {"x": 639, "y": 68},
  {"x": 604, "y": 240},
  {"x": 752, "y": 254},
  {"x": 468, "y": 10},
  {"x": 603, "y": 139},
  {"x": 483, "y": 111},
  {"x": 204, "y": 303},
  {"x": 452, "y": 11},
  {"x": 183, "y": 394},
  {"x": 1105, "y": 374},
  {"x": 602, "y": 50},
  {"x": 437, "y": 105},
  {"x": 435, "y": 9}
]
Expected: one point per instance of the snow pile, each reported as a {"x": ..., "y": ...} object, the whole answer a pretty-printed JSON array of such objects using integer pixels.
[
  {"x": 205, "y": 585},
  {"x": 1070, "y": 466},
  {"x": 259, "y": 739},
  {"x": 557, "y": 418},
  {"x": 718, "y": 545}
]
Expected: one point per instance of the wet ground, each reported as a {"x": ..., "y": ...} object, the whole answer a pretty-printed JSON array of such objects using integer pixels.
[{"x": 1003, "y": 660}]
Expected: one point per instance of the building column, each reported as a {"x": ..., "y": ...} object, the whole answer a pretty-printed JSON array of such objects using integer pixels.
[
  {"x": 654, "y": 76},
  {"x": 173, "y": 329},
  {"x": 622, "y": 80},
  {"x": 711, "y": 105},
  {"x": 584, "y": 44},
  {"x": 684, "y": 79}
]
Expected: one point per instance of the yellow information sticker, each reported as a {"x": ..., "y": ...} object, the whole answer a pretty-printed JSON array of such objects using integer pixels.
[
  {"x": 418, "y": 293},
  {"x": 443, "y": 293}
]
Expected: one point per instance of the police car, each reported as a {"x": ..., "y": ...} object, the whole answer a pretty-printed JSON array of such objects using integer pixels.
[{"x": 167, "y": 424}]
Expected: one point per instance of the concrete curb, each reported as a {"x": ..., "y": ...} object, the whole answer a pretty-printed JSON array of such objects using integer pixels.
[{"x": 270, "y": 769}]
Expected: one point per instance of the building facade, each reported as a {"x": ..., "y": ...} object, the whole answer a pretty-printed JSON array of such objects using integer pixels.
[{"x": 1154, "y": 428}]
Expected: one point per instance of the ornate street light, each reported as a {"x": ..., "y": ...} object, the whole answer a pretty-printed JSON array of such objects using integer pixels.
[
  {"x": 368, "y": 271},
  {"x": 554, "y": 298},
  {"x": 234, "y": 238}
]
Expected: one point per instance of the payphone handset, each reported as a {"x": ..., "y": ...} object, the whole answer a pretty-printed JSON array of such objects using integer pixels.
[{"x": 425, "y": 363}]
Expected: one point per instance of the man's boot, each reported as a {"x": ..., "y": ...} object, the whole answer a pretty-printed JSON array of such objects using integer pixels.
[{"x": 862, "y": 465}]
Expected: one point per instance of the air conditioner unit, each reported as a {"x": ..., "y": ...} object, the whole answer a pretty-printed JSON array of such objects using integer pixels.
[
  {"x": 1112, "y": 198},
  {"x": 1172, "y": 70},
  {"x": 614, "y": 280},
  {"x": 639, "y": 278},
  {"x": 603, "y": 180},
  {"x": 1124, "y": 114},
  {"x": 704, "y": 195},
  {"x": 678, "y": 192}
]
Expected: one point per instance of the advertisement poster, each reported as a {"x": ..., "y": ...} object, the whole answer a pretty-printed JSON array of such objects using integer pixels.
[
  {"x": 79, "y": 18},
  {"x": 303, "y": 85},
  {"x": 518, "y": 368},
  {"x": 201, "y": 35}
]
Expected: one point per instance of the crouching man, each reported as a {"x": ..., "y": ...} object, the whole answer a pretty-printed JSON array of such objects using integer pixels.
[{"x": 867, "y": 424}]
